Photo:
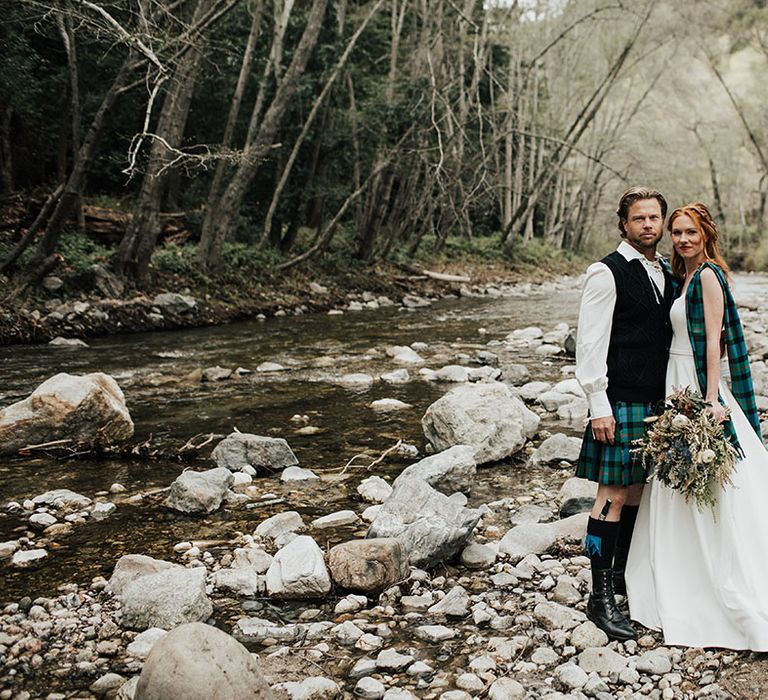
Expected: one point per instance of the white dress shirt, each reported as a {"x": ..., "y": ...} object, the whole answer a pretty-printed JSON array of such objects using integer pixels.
[{"x": 595, "y": 320}]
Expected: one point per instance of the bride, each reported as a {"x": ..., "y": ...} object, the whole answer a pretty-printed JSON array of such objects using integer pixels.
[{"x": 698, "y": 578}]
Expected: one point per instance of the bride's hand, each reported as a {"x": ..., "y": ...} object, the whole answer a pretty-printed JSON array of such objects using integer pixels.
[{"x": 717, "y": 410}]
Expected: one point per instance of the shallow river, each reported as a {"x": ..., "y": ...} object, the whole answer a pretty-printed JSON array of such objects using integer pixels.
[{"x": 151, "y": 369}]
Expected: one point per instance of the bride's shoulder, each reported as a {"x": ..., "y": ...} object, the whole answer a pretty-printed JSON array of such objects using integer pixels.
[{"x": 711, "y": 277}]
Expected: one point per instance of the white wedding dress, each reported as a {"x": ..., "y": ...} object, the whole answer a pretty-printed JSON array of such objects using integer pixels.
[{"x": 704, "y": 581}]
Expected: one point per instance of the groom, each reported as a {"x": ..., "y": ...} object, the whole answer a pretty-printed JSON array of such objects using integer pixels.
[{"x": 621, "y": 359}]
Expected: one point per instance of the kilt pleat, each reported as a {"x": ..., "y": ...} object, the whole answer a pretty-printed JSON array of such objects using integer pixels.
[{"x": 617, "y": 464}]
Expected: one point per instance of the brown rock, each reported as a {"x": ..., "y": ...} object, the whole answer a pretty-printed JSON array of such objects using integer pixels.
[{"x": 368, "y": 565}]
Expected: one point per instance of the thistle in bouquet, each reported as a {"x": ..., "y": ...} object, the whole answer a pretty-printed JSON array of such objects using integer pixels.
[{"x": 687, "y": 449}]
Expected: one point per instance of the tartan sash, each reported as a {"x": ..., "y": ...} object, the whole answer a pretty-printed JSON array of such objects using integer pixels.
[{"x": 738, "y": 361}]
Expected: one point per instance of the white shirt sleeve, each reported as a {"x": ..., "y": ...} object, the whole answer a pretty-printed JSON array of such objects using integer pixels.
[{"x": 594, "y": 333}]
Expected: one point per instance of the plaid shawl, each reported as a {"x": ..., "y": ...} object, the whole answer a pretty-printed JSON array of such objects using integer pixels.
[{"x": 741, "y": 377}]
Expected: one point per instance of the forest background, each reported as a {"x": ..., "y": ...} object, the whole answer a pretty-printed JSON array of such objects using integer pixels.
[{"x": 224, "y": 142}]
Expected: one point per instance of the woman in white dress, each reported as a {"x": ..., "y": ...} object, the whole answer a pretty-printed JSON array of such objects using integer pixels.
[{"x": 699, "y": 577}]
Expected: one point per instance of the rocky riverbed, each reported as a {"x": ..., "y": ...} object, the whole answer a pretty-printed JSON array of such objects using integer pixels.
[{"x": 473, "y": 584}]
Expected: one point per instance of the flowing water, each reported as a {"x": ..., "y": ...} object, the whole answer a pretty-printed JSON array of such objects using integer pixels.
[{"x": 168, "y": 405}]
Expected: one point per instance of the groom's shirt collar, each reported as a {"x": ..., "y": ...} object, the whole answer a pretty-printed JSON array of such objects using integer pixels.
[{"x": 630, "y": 253}]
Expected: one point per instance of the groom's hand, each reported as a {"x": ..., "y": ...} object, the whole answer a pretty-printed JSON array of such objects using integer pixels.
[{"x": 603, "y": 429}]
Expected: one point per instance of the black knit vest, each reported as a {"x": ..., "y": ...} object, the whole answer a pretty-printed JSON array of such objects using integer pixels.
[{"x": 640, "y": 335}]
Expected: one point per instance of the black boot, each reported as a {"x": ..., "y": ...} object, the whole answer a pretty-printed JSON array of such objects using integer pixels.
[
  {"x": 602, "y": 610},
  {"x": 619, "y": 566}
]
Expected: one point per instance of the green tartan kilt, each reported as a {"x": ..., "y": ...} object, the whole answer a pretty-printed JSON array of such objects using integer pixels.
[{"x": 616, "y": 465}]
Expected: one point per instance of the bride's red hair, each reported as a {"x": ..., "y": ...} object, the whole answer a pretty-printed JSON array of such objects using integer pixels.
[{"x": 707, "y": 228}]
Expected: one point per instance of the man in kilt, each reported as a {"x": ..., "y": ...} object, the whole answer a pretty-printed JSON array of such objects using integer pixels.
[{"x": 621, "y": 359}]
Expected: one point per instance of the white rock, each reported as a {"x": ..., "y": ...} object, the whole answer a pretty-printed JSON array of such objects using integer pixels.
[
  {"x": 588, "y": 635},
  {"x": 199, "y": 492},
  {"x": 570, "y": 675},
  {"x": 200, "y": 661},
  {"x": 452, "y": 373},
  {"x": 103, "y": 510},
  {"x": 165, "y": 599},
  {"x": 532, "y": 390},
  {"x": 370, "y": 513},
  {"x": 506, "y": 689},
  {"x": 369, "y": 689},
  {"x": 356, "y": 380},
  {"x": 62, "y": 498},
  {"x": 298, "y": 571},
  {"x": 142, "y": 644},
  {"x": 469, "y": 682},
  {"x": 339, "y": 519},
  {"x": 8, "y": 548},
  {"x": 557, "y": 448},
  {"x": 454, "y": 604},
  {"x": 555, "y": 616},
  {"x": 398, "y": 376},
  {"x": 405, "y": 355},
  {"x": 574, "y": 411},
  {"x": 298, "y": 474},
  {"x": 27, "y": 557},
  {"x": 350, "y": 604},
  {"x": 266, "y": 454},
  {"x": 387, "y": 405},
  {"x": 655, "y": 661},
  {"x": 602, "y": 660},
  {"x": 486, "y": 416},
  {"x": 240, "y": 581},
  {"x": 544, "y": 656},
  {"x": 280, "y": 524},
  {"x": 536, "y": 538},
  {"x": 430, "y": 527},
  {"x": 552, "y": 400},
  {"x": 270, "y": 367},
  {"x": 392, "y": 660},
  {"x": 374, "y": 490},
  {"x": 435, "y": 633},
  {"x": 41, "y": 520},
  {"x": 448, "y": 471}
]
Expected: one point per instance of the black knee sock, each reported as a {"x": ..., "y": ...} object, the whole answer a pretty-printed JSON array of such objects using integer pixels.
[
  {"x": 600, "y": 542},
  {"x": 626, "y": 526}
]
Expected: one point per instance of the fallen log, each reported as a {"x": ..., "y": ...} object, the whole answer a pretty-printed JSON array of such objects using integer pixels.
[{"x": 440, "y": 276}]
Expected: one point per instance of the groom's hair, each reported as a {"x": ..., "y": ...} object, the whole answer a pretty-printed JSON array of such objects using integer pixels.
[{"x": 635, "y": 194}]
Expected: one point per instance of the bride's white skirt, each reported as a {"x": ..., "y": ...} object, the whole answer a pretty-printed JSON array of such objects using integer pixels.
[{"x": 704, "y": 582}]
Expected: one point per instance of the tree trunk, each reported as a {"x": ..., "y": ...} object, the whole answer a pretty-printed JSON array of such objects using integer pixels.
[
  {"x": 73, "y": 188},
  {"x": 7, "y": 181},
  {"x": 313, "y": 113},
  {"x": 228, "y": 207},
  {"x": 140, "y": 238},
  {"x": 68, "y": 39},
  {"x": 234, "y": 107}
]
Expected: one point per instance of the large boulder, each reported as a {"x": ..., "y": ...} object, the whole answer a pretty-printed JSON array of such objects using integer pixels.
[
  {"x": 200, "y": 662},
  {"x": 133, "y": 566},
  {"x": 368, "y": 565},
  {"x": 488, "y": 417},
  {"x": 174, "y": 303},
  {"x": 448, "y": 472},
  {"x": 88, "y": 409},
  {"x": 200, "y": 492},
  {"x": 298, "y": 571},
  {"x": 536, "y": 538},
  {"x": 430, "y": 526},
  {"x": 266, "y": 454},
  {"x": 166, "y": 599}
]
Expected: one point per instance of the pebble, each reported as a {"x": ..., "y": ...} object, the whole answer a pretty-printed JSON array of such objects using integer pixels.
[{"x": 370, "y": 689}]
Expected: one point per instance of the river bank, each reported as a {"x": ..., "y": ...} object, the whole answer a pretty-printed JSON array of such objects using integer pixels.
[{"x": 84, "y": 299}]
